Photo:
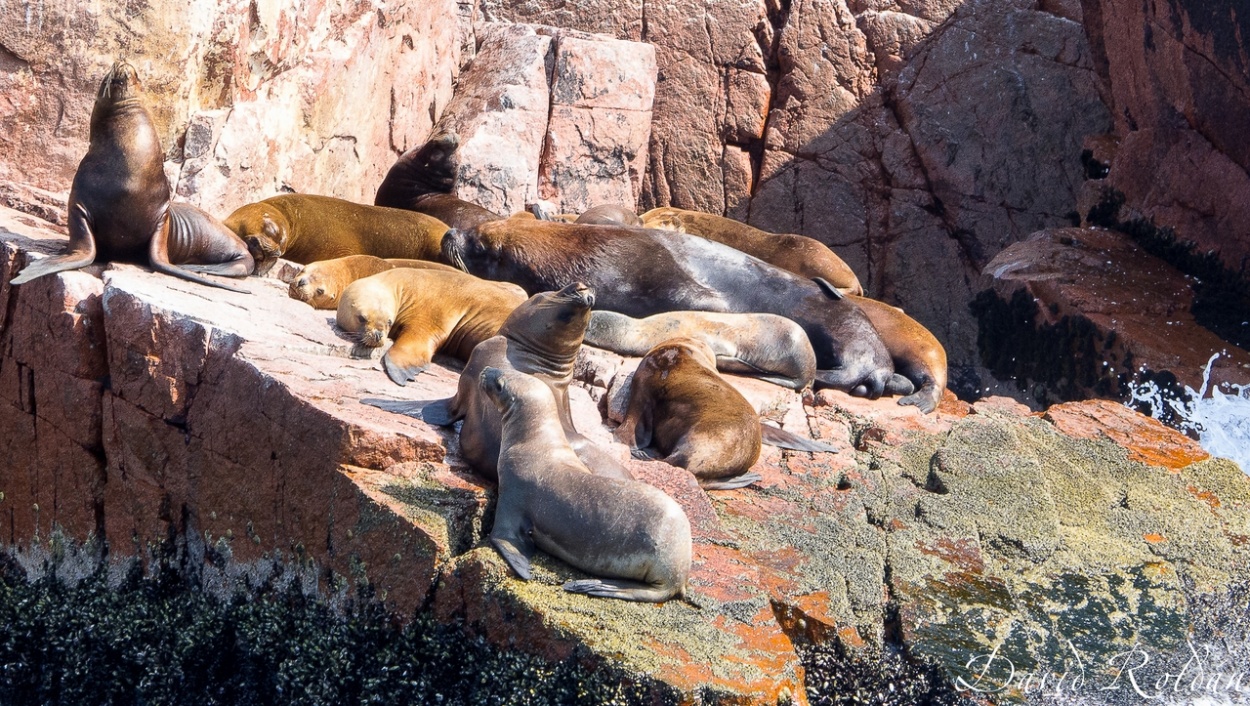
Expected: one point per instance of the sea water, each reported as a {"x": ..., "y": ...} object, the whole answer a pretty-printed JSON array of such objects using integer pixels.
[{"x": 1221, "y": 421}]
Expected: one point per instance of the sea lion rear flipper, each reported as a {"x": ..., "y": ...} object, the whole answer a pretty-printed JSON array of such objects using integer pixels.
[
  {"x": 241, "y": 267},
  {"x": 81, "y": 251},
  {"x": 619, "y": 588},
  {"x": 899, "y": 385},
  {"x": 731, "y": 483},
  {"x": 645, "y": 454},
  {"x": 926, "y": 398},
  {"x": 774, "y": 436},
  {"x": 738, "y": 366}
]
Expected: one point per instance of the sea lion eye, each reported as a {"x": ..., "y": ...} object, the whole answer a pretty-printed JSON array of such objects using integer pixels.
[
  {"x": 362, "y": 318},
  {"x": 320, "y": 290}
]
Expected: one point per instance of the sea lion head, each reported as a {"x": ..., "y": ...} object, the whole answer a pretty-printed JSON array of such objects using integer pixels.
[
  {"x": 463, "y": 248},
  {"x": 264, "y": 230},
  {"x": 512, "y": 389},
  {"x": 121, "y": 82},
  {"x": 668, "y": 354},
  {"x": 314, "y": 288},
  {"x": 552, "y": 323},
  {"x": 366, "y": 311}
]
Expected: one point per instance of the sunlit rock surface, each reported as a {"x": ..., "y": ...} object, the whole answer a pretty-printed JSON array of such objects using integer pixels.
[{"x": 141, "y": 408}]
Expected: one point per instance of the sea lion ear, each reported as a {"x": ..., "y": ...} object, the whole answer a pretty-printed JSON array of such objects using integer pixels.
[
  {"x": 268, "y": 227},
  {"x": 830, "y": 291}
]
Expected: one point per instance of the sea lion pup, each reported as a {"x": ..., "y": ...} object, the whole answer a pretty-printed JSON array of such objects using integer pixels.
[
  {"x": 916, "y": 352},
  {"x": 541, "y": 338},
  {"x": 766, "y": 346},
  {"x": 321, "y": 283},
  {"x": 119, "y": 206},
  {"x": 641, "y": 271},
  {"x": 797, "y": 253},
  {"x": 630, "y": 533},
  {"x": 423, "y": 311},
  {"x": 681, "y": 411},
  {"x": 307, "y": 228}
]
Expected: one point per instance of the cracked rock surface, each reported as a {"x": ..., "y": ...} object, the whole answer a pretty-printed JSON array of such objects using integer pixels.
[{"x": 142, "y": 408}]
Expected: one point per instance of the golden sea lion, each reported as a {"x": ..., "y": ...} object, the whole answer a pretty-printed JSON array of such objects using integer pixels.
[{"x": 321, "y": 283}]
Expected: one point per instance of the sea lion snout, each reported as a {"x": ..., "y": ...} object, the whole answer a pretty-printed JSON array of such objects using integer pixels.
[
  {"x": 579, "y": 292},
  {"x": 120, "y": 80}
]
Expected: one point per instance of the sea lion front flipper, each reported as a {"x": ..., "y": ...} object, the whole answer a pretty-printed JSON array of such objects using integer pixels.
[
  {"x": 511, "y": 538},
  {"x": 645, "y": 454},
  {"x": 774, "y": 436},
  {"x": 440, "y": 413},
  {"x": 596, "y": 459},
  {"x": 79, "y": 254},
  {"x": 619, "y": 588},
  {"x": 738, "y": 366},
  {"x": 407, "y": 358},
  {"x": 731, "y": 483},
  {"x": 926, "y": 398}
]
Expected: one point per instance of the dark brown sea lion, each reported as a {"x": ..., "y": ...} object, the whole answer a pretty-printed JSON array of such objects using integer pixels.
[
  {"x": 306, "y": 228},
  {"x": 423, "y": 312},
  {"x": 630, "y": 533},
  {"x": 797, "y": 253},
  {"x": 199, "y": 242},
  {"x": 917, "y": 354},
  {"x": 541, "y": 338},
  {"x": 683, "y": 412},
  {"x": 766, "y": 346},
  {"x": 422, "y": 180},
  {"x": 641, "y": 271},
  {"x": 119, "y": 206},
  {"x": 321, "y": 283}
]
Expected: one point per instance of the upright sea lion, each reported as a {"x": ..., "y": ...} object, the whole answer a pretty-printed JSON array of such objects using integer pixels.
[
  {"x": 640, "y": 272},
  {"x": 626, "y": 531},
  {"x": 683, "y": 412},
  {"x": 307, "y": 228},
  {"x": 916, "y": 352},
  {"x": 797, "y": 253},
  {"x": 119, "y": 206},
  {"x": 541, "y": 338},
  {"x": 321, "y": 283},
  {"x": 423, "y": 311},
  {"x": 766, "y": 346}
]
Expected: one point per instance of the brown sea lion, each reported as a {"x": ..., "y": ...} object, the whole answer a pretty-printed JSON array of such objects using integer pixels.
[
  {"x": 454, "y": 211},
  {"x": 917, "y": 354},
  {"x": 683, "y": 412},
  {"x": 626, "y": 531},
  {"x": 119, "y": 206},
  {"x": 423, "y": 312},
  {"x": 541, "y": 338},
  {"x": 321, "y": 283},
  {"x": 766, "y": 346},
  {"x": 306, "y": 228},
  {"x": 797, "y": 253},
  {"x": 642, "y": 271},
  {"x": 610, "y": 214}
]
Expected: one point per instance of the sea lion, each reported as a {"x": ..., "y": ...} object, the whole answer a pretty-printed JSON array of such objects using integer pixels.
[
  {"x": 797, "y": 253},
  {"x": 201, "y": 243},
  {"x": 422, "y": 180},
  {"x": 119, "y": 206},
  {"x": 541, "y": 337},
  {"x": 766, "y": 346},
  {"x": 306, "y": 228},
  {"x": 626, "y": 531},
  {"x": 641, "y": 271},
  {"x": 681, "y": 411},
  {"x": 610, "y": 214},
  {"x": 423, "y": 311},
  {"x": 916, "y": 352},
  {"x": 321, "y": 283}
]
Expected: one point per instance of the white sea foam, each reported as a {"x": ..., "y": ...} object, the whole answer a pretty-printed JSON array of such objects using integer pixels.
[{"x": 1221, "y": 421}]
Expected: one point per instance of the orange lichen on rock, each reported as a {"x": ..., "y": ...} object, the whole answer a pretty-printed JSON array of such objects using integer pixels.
[{"x": 1146, "y": 439}]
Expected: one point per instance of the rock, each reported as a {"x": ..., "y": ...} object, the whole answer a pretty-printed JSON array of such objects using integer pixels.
[
  {"x": 557, "y": 115},
  {"x": 1178, "y": 85},
  {"x": 232, "y": 426},
  {"x": 1095, "y": 291},
  {"x": 249, "y": 99}
]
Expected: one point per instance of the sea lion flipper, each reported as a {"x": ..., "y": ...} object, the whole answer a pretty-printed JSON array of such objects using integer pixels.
[
  {"x": 596, "y": 459},
  {"x": 441, "y": 410},
  {"x": 781, "y": 438},
  {"x": 80, "y": 253},
  {"x": 440, "y": 413},
  {"x": 518, "y": 557},
  {"x": 731, "y": 483},
  {"x": 619, "y": 588},
  {"x": 926, "y": 398},
  {"x": 158, "y": 258},
  {"x": 234, "y": 268},
  {"x": 644, "y": 454},
  {"x": 830, "y": 291},
  {"x": 899, "y": 385},
  {"x": 404, "y": 364}
]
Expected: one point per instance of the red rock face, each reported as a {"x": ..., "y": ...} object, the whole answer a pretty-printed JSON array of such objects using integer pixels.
[{"x": 1179, "y": 89}]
